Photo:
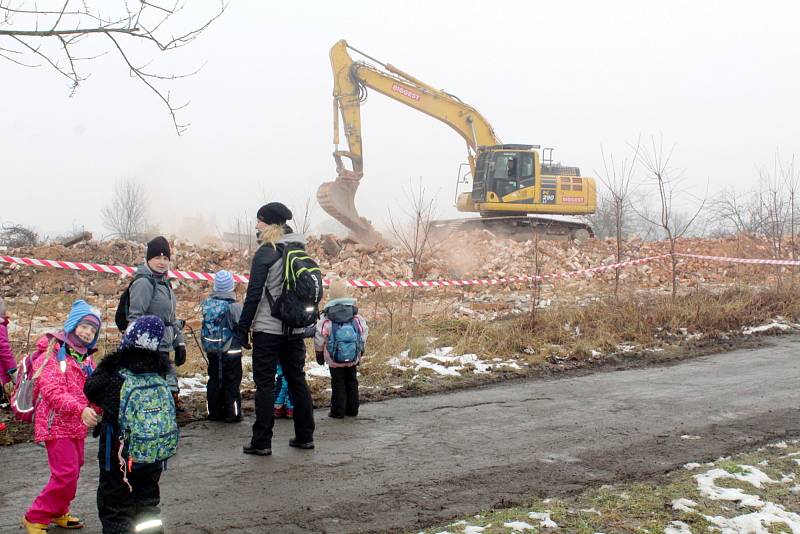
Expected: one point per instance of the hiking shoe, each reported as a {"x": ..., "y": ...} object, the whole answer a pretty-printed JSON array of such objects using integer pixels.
[
  {"x": 33, "y": 528},
  {"x": 249, "y": 449},
  {"x": 307, "y": 445},
  {"x": 68, "y": 521},
  {"x": 335, "y": 416},
  {"x": 289, "y": 413},
  {"x": 233, "y": 419}
]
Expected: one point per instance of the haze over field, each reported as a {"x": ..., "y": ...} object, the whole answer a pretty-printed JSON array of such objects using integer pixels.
[{"x": 716, "y": 78}]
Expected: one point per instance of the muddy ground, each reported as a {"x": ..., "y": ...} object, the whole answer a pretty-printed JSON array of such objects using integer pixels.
[{"x": 407, "y": 463}]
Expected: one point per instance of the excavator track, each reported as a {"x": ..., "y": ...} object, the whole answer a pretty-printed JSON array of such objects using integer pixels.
[{"x": 519, "y": 227}]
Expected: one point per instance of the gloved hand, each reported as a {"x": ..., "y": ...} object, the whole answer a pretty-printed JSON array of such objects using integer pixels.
[
  {"x": 180, "y": 355},
  {"x": 320, "y": 357},
  {"x": 244, "y": 338}
]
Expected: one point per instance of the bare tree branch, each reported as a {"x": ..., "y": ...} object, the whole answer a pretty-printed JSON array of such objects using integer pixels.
[{"x": 149, "y": 22}]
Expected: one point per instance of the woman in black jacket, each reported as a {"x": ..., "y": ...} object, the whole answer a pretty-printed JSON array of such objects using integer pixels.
[{"x": 121, "y": 507}]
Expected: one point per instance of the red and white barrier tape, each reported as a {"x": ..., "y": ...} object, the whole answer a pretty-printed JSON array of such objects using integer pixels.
[
  {"x": 198, "y": 276},
  {"x": 755, "y": 261}
]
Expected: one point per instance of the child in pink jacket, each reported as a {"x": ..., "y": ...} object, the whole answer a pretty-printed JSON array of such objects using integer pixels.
[
  {"x": 339, "y": 341},
  {"x": 8, "y": 365},
  {"x": 63, "y": 416}
]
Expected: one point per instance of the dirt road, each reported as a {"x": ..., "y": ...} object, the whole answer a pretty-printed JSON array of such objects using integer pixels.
[{"x": 410, "y": 462}]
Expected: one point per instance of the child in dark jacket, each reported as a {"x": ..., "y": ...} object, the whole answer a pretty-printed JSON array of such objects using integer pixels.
[
  {"x": 339, "y": 341},
  {"x": 131, "y": 506},
  {"x": 221, "y": 315}
]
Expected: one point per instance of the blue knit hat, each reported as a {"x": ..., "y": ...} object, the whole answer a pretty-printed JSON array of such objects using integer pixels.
[
  {"x": 224, "y": 282},
  {"x": 145, "y": 333},
  {"x": 79, "y": 311}
]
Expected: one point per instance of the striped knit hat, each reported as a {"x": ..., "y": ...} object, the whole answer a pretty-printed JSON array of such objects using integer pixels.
[{"x": 224, "y": 282}]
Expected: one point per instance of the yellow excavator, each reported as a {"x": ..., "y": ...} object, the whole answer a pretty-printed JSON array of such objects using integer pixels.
[{"x": 509, "y": 181}]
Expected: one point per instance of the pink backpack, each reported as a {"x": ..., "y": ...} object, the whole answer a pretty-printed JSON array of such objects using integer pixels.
[{"x": 22, "y": 402}]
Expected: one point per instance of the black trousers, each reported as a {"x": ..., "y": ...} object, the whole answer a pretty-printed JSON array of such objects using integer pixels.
[
  {"x": 224, "y": 386},
  {"x": 344, "y": 391},
  {"x": 290, "y": 351},
  {"x": 121, "y": 509}
]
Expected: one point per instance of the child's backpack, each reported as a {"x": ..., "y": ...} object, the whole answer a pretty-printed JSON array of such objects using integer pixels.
[
  {"x": 298, "y": 304},
  {"x": 23, "y": 404},
  {"x": 216, "y": 333},
  {"x": 121, "y": 315},
  {"x": 147, "y": 425},
  {"x": 345, "y": 343}
]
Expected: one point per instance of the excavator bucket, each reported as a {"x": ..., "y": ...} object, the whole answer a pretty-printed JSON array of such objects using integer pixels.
[{"x": 337, "y": 198}]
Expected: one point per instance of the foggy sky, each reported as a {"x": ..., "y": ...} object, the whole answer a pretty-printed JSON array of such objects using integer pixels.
[{"x": 718, "y": 79}]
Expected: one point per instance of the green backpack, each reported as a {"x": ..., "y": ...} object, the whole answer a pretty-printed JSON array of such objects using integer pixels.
[{"x": 148, "y": 428}]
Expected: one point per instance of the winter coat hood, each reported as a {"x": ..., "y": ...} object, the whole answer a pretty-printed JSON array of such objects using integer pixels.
[
  {"x": 223, "y": 295},
  {"x": 134, "y": 359}
]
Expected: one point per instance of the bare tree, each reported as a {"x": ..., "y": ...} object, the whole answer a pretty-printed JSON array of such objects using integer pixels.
[
  {"x": 413, "y": 232},
  {"x": 32, "y": 35},
  {"x": 617, "y": 177},
  {"x": 303, "y": 215},
  {"x": 126, "y": 215},
  {"x": 16, "y": 235},
  {"x": 657, "y": 164}
]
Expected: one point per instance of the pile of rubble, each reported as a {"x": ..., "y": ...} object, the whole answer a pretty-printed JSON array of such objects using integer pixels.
[{"x": 470, "y": 255}]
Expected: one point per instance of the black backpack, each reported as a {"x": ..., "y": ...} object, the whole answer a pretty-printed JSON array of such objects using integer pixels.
[
  {"x": 121, "y": 315},
  {"x": 298, "y": 304}
]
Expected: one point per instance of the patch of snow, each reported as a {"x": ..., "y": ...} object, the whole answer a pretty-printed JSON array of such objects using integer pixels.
[
  {"x": 625, "y": 348},
  {"x": 763, "y": 463},
  {"x": 779, "y": 445},
  {"x": 321, "y": 371},
  {"x": 590, "y": 511},
  {"x": 755, "y": 522},
  {"x": 443, "y": 362},
  {"x": 774, "y": 325},
  {"x": 691, "y": 465},
  {"x": 457, "y": 523},
  {"x": 596, "y": 353},
  {"x": 677, "y": 527},
  {"x": 192, "y": 384},
  {"x": 519, "y": 526},
  {"x": 683, "y": 505},
  {"x": 688, "y": 436},
  {"x": 473, "y": 529},
  {"x": 544, "y": 519}
]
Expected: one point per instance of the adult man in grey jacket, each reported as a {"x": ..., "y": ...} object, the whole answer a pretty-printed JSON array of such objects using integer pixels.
[
  {"x": 151, "y": 294},
  {"x": 271, "y": 343}
]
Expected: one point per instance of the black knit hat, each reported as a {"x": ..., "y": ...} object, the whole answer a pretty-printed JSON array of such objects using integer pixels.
[
  {"x": 274, "y": 213},
  {"x": 158, "y": 246}
]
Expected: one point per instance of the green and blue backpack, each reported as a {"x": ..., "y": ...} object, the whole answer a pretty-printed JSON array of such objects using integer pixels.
[{"x": 148, "y": 429}]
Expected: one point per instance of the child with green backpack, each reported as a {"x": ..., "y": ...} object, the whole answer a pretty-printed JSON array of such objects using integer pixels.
[{"x": 130, "y": 387}]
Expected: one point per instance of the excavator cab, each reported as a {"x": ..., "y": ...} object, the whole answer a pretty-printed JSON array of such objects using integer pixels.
[{"x": 502, "y": 170}]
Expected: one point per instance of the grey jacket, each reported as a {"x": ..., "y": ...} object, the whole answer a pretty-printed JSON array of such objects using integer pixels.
[
  {"x": 266, "y": 272},
  {"x": 159, "y": 301}
]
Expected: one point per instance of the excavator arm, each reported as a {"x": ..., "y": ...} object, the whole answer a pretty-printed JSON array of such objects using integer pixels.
[{"x": 351, "y": 81}]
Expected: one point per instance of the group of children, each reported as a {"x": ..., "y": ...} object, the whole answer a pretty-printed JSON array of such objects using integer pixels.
[{"x": 126, "y": 396}]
